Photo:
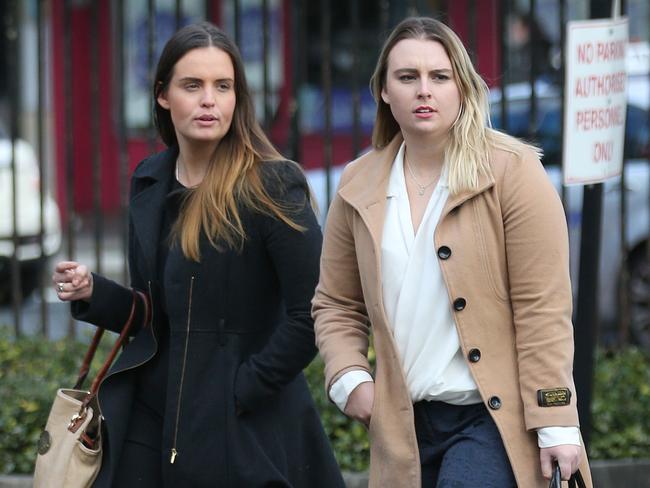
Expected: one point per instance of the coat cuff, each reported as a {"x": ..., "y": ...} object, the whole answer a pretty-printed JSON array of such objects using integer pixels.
[
  {"x": 556, "y": 436},
  {"x": 105, "y": 306},
  {"x": 345, "y": 385}
]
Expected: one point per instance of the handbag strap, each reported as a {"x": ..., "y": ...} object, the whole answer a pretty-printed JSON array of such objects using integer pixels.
[
  {"x": 77, "y": 419},
  {"x": 556, "y": 478},
  {"x": 120, "y": 342},
  {"x": 88, "y": 358},
  {"x": 576, "y": 478}
]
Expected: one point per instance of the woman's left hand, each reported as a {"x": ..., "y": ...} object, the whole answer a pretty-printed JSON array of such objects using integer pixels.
[{"x": 568, "y": 456}]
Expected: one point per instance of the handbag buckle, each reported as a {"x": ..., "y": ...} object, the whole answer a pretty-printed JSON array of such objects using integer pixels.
[{"x": 76, "y": 420}]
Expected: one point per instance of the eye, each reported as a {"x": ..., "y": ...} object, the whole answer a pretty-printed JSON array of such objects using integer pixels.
[
  {"x": 224, "y": 86},
  {"x": 191, "y": 86},
  {"x": 441, "y": 77},
  {"x": 406, "y": 78}
]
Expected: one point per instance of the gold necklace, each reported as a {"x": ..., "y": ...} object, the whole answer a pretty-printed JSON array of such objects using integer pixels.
[{"x": 421, "y": 188}]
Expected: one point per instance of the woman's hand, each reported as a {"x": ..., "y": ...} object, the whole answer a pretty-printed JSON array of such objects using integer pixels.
[
  {"x": 72, "y": 281},
  {"x": 568, "y": 456},
  {"x": 360, "y": 401}
]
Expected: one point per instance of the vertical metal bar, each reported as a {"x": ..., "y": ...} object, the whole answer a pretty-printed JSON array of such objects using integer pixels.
[
  {"x": 356, "y": 96},
  {"x": 412, "y": 8},
  {"x": 471, "y": 24},
  {"x": 647, "y": 247},
  {"x": 532, "y": 50},
  {"x": 326, "y": 81},
  {"x": 209, "y": 10},
  {"x": 503, "y": 47},
  {"x": 121, "y": 135},
  {"x": 95, "y": 130},
  {"x": 42, "y": 187},
  {"x": 69, "y": 141},
  {"x": 265, "y": 64},
  {"x": 384, "y": 16},
  {"x": 563, "y": 22},
  {"x": 178, "y": 13},
  {"x": 298, "y": 19},
  {"x": 587, "y": 317},
  {"x": 12, "y": 34},
  {"x": 623, "y": 285},
  {"x": 444, "y": 11},
  {"x": 151, "y": 50},
  {"x": 237, "y": 21},
  {"x": 646, "y": 255}
]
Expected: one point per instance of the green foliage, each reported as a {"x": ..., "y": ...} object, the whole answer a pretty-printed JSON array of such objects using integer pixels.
[
  {"x": 349, "y": 438},
  {"x": 621, "y": 405},
  {"x": 31, "y": 370}
]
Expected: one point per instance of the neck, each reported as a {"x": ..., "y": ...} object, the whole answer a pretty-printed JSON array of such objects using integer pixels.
[
  {"x": 425, "y": 156},
  {"x": 193, "y": 162}
]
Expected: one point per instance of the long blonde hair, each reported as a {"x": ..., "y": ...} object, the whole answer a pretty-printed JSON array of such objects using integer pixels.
[
  {"x": 471, "y": 139},
  {"x": 234, "y": 178}
]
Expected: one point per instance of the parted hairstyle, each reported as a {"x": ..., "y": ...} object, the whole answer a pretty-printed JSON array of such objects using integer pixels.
[
  {"x": 470, "y": 139},
  {"x": 233, "y": 178}
]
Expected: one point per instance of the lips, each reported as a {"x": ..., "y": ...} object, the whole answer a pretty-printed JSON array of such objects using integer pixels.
[
  {"x": 207, "y": 118},
  {"x": 424, "y": 109}
]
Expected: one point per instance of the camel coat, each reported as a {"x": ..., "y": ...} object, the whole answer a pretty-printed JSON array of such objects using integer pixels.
[{"x": 504, "y": 256}]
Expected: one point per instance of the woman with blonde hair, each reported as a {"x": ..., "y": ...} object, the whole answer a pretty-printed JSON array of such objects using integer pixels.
[
  {"x": 448, "y": 242},
  {"x": 224, "y": 243}
]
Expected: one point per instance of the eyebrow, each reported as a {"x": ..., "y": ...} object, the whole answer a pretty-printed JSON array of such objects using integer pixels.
[
  {"x": 413, "y": 70},
  {"x": 199, "y": 80}
]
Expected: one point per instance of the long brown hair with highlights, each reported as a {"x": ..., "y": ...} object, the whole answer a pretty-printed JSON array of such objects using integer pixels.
[{"x": 233, "y": 179}]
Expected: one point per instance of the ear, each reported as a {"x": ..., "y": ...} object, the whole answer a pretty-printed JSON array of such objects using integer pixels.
[
  {"x": 162, "y": 99},
  {"x": 385, "y": 97}
]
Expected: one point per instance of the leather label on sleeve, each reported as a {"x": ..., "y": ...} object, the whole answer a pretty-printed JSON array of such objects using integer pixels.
[{"x": 554, "y": 397}]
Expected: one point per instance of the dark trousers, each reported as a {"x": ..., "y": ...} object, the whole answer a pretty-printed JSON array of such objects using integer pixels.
[{"x": 460, "y": 447}]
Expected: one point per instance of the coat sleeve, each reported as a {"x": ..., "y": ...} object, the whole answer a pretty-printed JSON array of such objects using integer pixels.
[
  {"x": 339, "y": 309},
  {"x": 110, "y": 303},
  {"x": 295, "y": 255},
  {"x": 537, "y": 249}
]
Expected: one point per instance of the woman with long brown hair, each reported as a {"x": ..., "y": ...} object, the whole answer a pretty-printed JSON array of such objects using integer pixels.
[
  {"x": 224, "y": 243},
  {"x": 448, "y": 244}
]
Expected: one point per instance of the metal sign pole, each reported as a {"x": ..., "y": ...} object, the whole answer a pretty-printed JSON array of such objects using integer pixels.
[{"x": 586, "y": 323}]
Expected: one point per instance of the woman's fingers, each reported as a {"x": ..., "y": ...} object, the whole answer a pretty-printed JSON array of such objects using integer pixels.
[{"x": 72, "y": 281}]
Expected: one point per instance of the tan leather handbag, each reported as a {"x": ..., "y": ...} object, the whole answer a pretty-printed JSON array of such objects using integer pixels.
[{"x": 70, "y": 447}]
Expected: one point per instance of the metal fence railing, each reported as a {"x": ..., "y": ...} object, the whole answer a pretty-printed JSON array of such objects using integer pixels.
[{"x": 75, "y": 85}]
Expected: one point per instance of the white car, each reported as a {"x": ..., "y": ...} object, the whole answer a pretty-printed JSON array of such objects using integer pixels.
[{"x": 28, "y": 218}]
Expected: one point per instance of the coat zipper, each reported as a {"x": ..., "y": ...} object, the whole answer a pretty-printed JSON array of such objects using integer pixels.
[
  {"x": 174, "y": 452},
  {"x": 151, "y": 322}
]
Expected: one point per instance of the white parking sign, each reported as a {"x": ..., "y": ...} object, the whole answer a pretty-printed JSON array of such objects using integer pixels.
[{"x": 595, "y": 100}]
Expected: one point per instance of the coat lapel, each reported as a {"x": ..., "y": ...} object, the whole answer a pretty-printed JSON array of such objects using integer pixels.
[
  {"x": 485, "y": 181},
  {"x": 366, "y": 191},
  {"x": 150, "y": 187}
]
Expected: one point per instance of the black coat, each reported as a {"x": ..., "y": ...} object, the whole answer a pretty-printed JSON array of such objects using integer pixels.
[{"x": 241, "y": 414}]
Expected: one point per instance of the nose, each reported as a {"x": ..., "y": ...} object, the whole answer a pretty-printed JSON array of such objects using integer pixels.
[
  {"x": 424, "y": 90},
  {"x": 208, "y": 99}
]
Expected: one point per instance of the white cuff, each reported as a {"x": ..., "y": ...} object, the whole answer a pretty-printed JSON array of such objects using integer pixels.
[
  {"x": 556, "y": 436},
  {"x": 341, "y": 389}
]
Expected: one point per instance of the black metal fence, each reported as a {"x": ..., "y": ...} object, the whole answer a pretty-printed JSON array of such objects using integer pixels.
[{"x": 309, "y": 64}]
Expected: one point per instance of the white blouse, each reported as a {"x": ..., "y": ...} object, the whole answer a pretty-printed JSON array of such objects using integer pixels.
[{"x": 416, "y": 301}]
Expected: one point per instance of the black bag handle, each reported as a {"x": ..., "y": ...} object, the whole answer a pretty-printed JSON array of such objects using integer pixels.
[{"x": 556, "y": 478}]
